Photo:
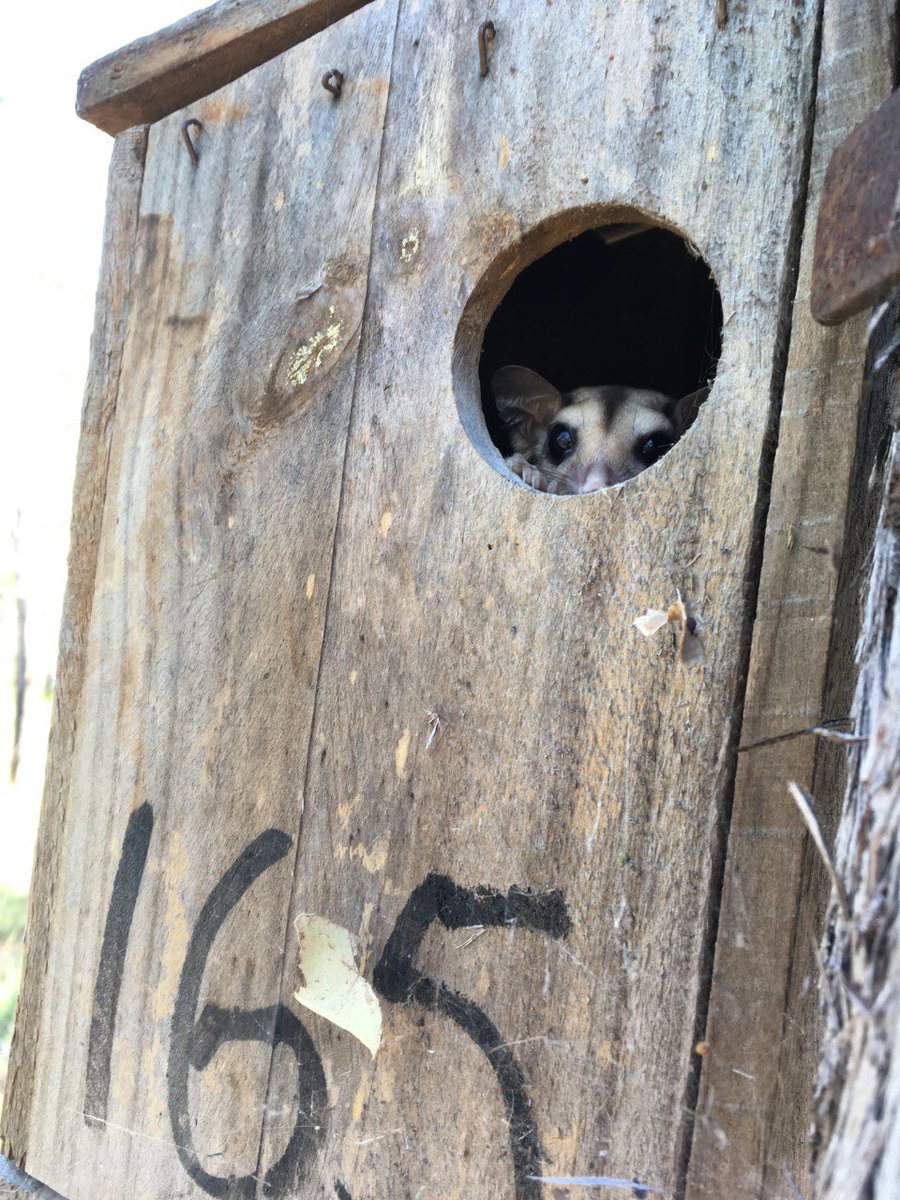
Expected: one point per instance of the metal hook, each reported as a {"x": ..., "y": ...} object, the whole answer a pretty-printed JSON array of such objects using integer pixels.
[
  {"x": 191, "y": 148},
  {"x": 333, "y": 81},
  {"x": 486, "y": 34}
]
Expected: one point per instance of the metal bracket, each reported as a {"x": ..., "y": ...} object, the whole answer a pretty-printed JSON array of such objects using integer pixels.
[{"x": 857, "y": 257}]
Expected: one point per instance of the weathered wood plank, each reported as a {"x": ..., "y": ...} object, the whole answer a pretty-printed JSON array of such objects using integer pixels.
[
  {"x": 482, "y": 714},
  {"x": 753, "y": 1110},
  {"x": 159, "y": 74},
  {"x": 203, "y": 644},
  {"x": 569, "y": 754},
  {"x": 16, "y": 1186},
  {"x": 102, "y": 389}
]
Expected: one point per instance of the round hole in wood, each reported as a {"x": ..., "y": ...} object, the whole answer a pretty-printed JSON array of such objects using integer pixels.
[{"x": 622, "y": 320}]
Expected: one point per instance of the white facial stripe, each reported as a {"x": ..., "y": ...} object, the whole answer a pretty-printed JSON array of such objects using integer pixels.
[
  {"x": 579, "y": 416},
  {"x": 634, "y": 421}
]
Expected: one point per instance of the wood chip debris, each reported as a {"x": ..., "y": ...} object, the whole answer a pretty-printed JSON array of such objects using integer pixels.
[
  {"x": 330, "y": 982},
  {"x": 690, "y": 644},
  {"x": 434, "y": 724}
]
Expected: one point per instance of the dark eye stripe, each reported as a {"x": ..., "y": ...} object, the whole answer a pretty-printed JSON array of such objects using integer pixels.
[
  {"x": 650, "y": 449},
  {"x": 561, "y": 442}
]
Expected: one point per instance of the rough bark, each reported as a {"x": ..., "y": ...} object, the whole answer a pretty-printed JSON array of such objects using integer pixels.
[{"x": 858, "y": 1097}]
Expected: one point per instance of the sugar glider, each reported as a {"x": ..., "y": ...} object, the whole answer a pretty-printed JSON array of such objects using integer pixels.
[{"x": 567, "y": 443}]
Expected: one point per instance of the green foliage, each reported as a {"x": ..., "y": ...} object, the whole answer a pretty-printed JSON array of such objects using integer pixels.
[{"x": 12, "y": 934}]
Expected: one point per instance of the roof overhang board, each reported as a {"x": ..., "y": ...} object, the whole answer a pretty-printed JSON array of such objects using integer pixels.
[{"x": 157, "y": 75}]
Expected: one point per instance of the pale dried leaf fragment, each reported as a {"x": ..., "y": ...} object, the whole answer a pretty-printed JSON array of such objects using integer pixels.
[
  {"x": 330, "y": 982},
  {"x": 652, "y": 621},
  {"x": 690, "y": 645}
]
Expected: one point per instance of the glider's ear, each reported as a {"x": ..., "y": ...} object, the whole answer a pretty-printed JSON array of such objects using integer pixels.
[
  {"x": 526, "y": 402},
  {"x": 687, "y": 408}
]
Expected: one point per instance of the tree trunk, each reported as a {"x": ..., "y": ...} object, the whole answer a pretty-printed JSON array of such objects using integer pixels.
[{"x": 858, "y": 1097}]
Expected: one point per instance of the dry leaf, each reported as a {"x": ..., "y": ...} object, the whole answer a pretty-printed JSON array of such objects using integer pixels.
[
  {"x": 651, "y": 622},
  {"x": 331, "y": 984},
  {"x": 690, "y": 644}
]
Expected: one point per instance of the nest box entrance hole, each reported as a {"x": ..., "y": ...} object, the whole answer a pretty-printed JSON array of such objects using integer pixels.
[{"x": 629, "y": 305}]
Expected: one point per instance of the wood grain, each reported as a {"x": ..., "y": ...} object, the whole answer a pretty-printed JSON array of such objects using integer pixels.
[
  {"x": 102, "y": 389},
  {"x": 203, "y": 642},
  {"x": 327, "y": 624},
  {"x": 157, "y": 75},
  {"x": 570, "y": 753},
  {"x": 754, "y": 1104}
]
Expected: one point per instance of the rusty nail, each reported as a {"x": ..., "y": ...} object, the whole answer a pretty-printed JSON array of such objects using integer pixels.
[
  {"x": 191, "y": 148},
  {"x": 333, "y": 81},
  {"x": 486, "y": 34}
]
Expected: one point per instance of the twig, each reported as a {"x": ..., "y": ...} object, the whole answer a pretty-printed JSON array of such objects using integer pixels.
[
  {"x": 804, "y": 802},
  {"x": 886, "y": 354},
  {"x": 596, "y": 1181},
  {"x": 826, "y": 729}
]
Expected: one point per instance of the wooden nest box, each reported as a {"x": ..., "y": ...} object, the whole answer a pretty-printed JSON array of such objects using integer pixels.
[{"x": 322, "y": 658}]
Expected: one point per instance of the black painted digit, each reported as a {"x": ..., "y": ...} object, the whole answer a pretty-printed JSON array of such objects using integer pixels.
[
  {"x": 272, "y": 1026},
  {"x": 193, "y": 1045},
  {"x": 395, "y": 978},
  {"x": 119, "y": 916}
]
